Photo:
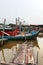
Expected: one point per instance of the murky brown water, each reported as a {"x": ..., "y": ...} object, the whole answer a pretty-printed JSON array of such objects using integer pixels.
[{"x": 8, "y": 50}]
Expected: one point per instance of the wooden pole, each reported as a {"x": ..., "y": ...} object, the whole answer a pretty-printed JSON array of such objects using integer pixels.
[
  {"x": 3, "y": 55},
  {"x": 37, "y": 58},
  {"x": 3, "y": 30}
]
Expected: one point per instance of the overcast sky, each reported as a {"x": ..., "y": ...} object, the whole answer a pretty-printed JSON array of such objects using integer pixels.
[{"x": 29, "y": 10}]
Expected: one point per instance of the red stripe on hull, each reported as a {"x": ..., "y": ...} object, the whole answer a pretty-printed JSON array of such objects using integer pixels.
[
  {"x": 0, "y": 33},
  {"x": 11, "y": 33}
]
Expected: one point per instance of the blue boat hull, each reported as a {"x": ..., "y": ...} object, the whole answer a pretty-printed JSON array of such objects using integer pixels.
[{"x": 21, "y": 37}]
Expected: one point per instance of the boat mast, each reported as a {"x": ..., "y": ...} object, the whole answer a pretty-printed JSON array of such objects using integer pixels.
[
  {"x": 16, "y": 23},
  {"x": 19, "y": 23}
]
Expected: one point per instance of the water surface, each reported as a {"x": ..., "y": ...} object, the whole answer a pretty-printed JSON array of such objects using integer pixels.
[{"x": 9, "y": 49}]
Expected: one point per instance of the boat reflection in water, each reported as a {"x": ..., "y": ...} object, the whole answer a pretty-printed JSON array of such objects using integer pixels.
[{"x": 9, "y": 55}]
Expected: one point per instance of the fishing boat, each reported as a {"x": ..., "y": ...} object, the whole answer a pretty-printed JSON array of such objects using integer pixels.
[
  {"x": 16, "y": 34},
  {"x": 21, "y": 36}
]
